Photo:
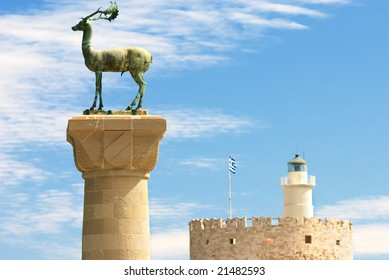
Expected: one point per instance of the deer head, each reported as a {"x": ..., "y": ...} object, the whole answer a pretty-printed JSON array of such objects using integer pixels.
[{"x": 112, "y": 11}]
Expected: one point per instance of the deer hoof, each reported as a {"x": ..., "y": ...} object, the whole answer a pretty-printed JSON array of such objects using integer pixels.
[
  {"x": 129, "y": 108},
  {"x": 91, "y": 108}
]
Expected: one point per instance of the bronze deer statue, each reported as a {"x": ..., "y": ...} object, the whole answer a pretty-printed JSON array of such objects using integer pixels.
[{"x": 133, "y": 59}]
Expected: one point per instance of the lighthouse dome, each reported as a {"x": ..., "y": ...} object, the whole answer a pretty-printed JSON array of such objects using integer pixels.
[{"x": 297, "y": 164}]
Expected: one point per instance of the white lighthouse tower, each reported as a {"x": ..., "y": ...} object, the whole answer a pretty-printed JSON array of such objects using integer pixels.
[{"x": 298, "y": 189}]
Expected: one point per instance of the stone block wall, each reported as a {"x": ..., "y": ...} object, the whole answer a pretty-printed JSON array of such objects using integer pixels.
[{"x": 270, "y": 239}]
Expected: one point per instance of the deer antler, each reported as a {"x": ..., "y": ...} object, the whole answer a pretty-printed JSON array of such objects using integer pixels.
[
  {"x": 91, "y": 15},
  {"x": 112, "y": 11}
]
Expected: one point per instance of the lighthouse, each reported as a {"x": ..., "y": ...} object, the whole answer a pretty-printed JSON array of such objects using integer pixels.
[{"x": 298, "y": 189}]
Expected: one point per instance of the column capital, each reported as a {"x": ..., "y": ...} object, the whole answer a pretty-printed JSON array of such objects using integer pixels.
[{"x": 111, "y": 142}]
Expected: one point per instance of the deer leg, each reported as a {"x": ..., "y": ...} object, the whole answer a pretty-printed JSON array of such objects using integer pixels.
[
  {"x": 99, "y": 88},
  {"x": 137, "y": 95},
  {"x": 142, "y": 86},
  {"x": 94, "y": 101},
  {"x": 138, "y": 77},
  {"x": 133, "y": 102}
]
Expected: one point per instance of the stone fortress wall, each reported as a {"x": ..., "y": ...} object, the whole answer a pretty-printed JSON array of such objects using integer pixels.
[{"x": 271, "y": 239}]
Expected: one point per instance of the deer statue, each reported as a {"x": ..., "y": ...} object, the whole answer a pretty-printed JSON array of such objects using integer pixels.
[{"x": 133, "y": 59}]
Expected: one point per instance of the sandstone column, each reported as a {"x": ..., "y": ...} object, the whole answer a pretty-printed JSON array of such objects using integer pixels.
[{"x": 115, "y": 154}]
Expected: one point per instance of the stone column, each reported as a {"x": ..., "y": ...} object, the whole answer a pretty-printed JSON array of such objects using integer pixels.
[{"x": 115, "y": 154}]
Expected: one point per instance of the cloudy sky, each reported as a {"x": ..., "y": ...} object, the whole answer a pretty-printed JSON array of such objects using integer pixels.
[{"x": 261, "y": 80}]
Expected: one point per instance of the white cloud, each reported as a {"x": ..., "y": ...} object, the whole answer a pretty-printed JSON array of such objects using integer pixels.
[
  {"x": 203, "y": 162},
  {"x": 325, "y": 1},
  {"x": 37, "y": 220},
  {"x": 270, "y": 6},
  {"x": 162, "y": 209},
  {"x": 47, "y": 212},
  {"x": 276, "y": 23},
  {"x": 370, "y": 217},
  {"x": 357, "y": 209},
  {"x": 55, "y": 250},
  {"x": 192, "y": 123},
  {"x": 51, "y": 248},
  {"x": 371, "y": 240},
  {"x": 171, "y": 244},
  {"x": 13, "y": 172},
  {"x": 169, "y": 227}
]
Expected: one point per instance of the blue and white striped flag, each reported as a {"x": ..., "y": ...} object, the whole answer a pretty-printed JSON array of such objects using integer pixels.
[{"x": 231, "y": 165}]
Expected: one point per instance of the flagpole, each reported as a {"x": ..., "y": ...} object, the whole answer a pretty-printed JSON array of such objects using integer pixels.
[{"x": 229, "y": 187}]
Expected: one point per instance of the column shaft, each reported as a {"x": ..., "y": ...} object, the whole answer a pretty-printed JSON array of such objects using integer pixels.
[{"x": 116, "y": 215}]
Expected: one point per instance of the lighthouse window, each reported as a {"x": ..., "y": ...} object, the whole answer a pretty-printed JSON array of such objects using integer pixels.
[
  {"x": 296, "y": 167},
  {"x": 232, "y": 241},
  {"x": 337, "y": 242},
  {"x": 308, "y": 239}
]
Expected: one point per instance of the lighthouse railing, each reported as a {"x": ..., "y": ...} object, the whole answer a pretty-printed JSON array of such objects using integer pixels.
[{"x": 310, "y": 180}]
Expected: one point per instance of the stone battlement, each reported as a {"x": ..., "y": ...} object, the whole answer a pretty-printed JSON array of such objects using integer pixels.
[
  {"x": 283, "y": 238},
  {"x": 264, "y": 222}
]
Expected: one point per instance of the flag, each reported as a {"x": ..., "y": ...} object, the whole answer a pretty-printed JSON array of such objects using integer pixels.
[{"x": 231, "y": 165}]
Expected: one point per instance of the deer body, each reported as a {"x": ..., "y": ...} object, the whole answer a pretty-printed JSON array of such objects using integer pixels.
[{"x": 133, "y": 59}]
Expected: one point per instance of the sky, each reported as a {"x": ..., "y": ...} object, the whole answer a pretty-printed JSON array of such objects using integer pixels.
[{"x": 260, "y": 80}]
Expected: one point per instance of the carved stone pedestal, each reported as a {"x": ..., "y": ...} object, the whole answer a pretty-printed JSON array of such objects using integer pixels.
[{"x": 115, "y": 155}]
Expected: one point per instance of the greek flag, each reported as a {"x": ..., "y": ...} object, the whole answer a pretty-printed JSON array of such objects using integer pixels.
[{"x": 231, "y": 165}]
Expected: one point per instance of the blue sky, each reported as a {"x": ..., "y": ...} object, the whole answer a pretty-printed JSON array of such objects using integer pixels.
[{"x": 261, "y": 80}]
